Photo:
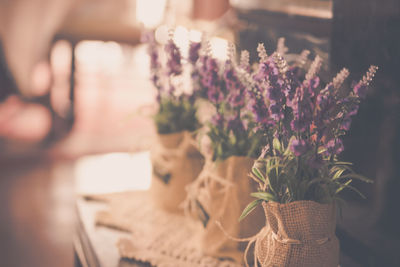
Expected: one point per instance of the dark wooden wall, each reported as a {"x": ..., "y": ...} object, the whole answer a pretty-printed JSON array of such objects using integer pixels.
[{"x": 367, "y": 32}]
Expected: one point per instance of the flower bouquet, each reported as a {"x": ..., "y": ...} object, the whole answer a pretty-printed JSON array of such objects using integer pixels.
[
  {"x": 222, "y": 189},
  {"x": 175, "y": 158},
  {"x": 299, "y": 173}
]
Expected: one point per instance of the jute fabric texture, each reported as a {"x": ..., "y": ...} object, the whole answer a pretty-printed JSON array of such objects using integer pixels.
[
  {"x": 176, "y": 163},
  {"x": 298, "y": 234},
  {"x": 221, "y": 192},
  {"x": 159, "y": 237}
]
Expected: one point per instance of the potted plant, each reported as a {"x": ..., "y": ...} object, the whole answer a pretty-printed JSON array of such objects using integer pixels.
[
  {"x": 222, "y": 189},
  {"x": 299, "y": 172},
  {"x": 175, "y": 158}
]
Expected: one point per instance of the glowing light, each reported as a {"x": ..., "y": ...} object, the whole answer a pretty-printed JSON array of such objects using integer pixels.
[
  {"x": 150, "y": 12},
  {"x": 161, "y": 34},
  {"x": 98, "y": 54},
  {"x": 181, "y": 39},
  {"x": 195, "y": 36},
  {"x": 219, "y": 48},
  {"x": 113, "y": 172}
]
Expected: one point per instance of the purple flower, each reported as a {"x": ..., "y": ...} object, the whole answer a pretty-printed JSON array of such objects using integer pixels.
[
  {"x": 302, "y": 111},
  {"x": 298, "y": 147},
  {"x": 276, "y": 111},
  {"x": 194, "y": 49},
  {"x": 211, "y": 81},
  {"x": 276, "y": 86},
  {"x": 324, "y": 109},
  {"x": 292, "y": 76},
  {"x": 217, "y": 120},
  {"x": 360, "y": 90},
  {"x": 334, "y": 147},
  {"x": 275, "y": 93},
  {"x": 345, "y": 124},
  {"x": 258, "y": 106},
  {"x": 349, "y": 108},
  {"x": 215, "y": 95},
  {"x": 234, "y": 87},
  {"x": 266, "y": 71},
  {"x": 235, "y": 124},
  {"x": 154, "y": 58},
  {"x": 174, "y": 66},
  {"x": 352, "y": 109}
]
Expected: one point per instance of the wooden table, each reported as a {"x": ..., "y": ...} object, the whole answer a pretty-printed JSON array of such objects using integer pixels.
[{"x": 94, "y": 246}]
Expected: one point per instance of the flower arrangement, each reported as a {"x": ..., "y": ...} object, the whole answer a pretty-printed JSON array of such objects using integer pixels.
[
  {"x": 303, "y": 121},
  {"x": 175, "y": 158},
  {"x": 232, "y": 128},
  {"x": 176, "y": 111}
]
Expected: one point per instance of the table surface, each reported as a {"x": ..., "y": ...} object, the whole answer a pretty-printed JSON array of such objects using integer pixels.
[{"x": 95, "y": 246}]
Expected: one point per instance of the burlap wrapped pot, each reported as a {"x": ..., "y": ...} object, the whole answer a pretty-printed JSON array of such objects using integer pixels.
[
  {"x": 176, "y": 163},
  {"x": 298, "y": 234},
  {"x": 223, "y": 195}
]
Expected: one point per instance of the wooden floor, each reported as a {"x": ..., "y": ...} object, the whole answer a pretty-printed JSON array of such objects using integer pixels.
[{"x": 36, "y": 213}]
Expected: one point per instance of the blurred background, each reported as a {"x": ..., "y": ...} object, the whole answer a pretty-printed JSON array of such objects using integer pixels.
[{"x": 74, "y": 91}]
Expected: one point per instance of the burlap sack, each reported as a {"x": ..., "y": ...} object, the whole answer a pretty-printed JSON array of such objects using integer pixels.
[
  {"x": 176, "y": 163},
  {"x": 224, "y": 203},
  {"x": 298, "y": 234}
]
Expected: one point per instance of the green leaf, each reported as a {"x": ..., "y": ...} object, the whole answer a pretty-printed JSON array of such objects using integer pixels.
[
  {"x": 249, "y": 208},
  {"x": 277, "y": 144},
  {"x": 342, "y": 163},
  {"x": 343, "y": 186},
  {"x": 264, "y": 196},
  {"x": 258, "y": 174},
  {"x": 355, "y": 176},
  {"x": 356, "y": 190},
  {"x": 338, "y": 174}
]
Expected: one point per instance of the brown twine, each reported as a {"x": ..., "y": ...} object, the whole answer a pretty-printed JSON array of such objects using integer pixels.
[
  {"x": 160, "y": 151},
  {"x": 251, "y": 240},
  {"x": 206, "y": 176},
  {"x": 263, "y": 231}
]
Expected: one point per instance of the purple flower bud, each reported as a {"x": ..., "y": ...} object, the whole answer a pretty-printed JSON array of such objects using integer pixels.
[
  {"x": 217, "y": 120},
  {"x": 298, "y": 147},
  {"x": 154, "y": 63},
  {"x": 360, "y": 90},
  {"x": 215, "y": 95},
  {"x": 258, "y": 106},
  {"x": 210, "y": 80},
  {"x": 174, "y": 66},
  {"x": 234, "y": 87},
  {"x": 235, "y": 125},
  {"x": 314, "y": 83},
  {"x": 353, "y": 109},
  {"x": 345, "y": 124},
  {"x": 334, "y": 147},
  {"x": 276, "y": 111},
  {"x": 194, "y": 49},
  {"x": 274, "y": 93}
]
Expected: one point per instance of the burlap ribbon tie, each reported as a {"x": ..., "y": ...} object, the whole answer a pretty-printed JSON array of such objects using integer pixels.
[{"x": 262, "y": 232}]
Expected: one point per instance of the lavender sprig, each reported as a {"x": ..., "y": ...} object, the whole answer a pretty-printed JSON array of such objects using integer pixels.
[{"x": 174, "y": 65}]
